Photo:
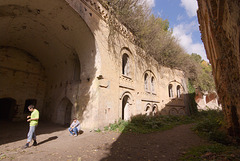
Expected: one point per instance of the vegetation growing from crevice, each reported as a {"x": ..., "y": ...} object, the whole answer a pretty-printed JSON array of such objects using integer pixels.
[{"x": 155, "y": 37}]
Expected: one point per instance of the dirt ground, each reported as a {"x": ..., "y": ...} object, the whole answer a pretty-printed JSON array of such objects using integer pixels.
[{"x": 54, "y": 143}]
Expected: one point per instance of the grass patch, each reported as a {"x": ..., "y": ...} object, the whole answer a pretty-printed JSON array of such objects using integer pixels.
[
  {"x": 97, "y": 130},
  {"x": 214, "y": 151},
  {"x": 210, "y": 124},
  {"x": 148, "y": 124}
]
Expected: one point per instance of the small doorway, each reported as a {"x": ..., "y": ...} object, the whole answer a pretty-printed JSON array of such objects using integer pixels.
[
  {"x": 7, "y": 108},
  {"x": 125, "y": 108}
]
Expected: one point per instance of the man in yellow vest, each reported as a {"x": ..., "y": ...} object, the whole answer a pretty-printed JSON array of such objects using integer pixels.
[{"x": 33, "y": 122}]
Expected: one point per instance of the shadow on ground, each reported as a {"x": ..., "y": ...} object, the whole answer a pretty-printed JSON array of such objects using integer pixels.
[
  {"x": 47, "y": 140},
  {"x": 15, "y": 131},
  {"x": 164, "y": 146}
]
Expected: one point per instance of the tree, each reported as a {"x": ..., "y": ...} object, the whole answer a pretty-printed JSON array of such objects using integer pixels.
[{"x": 204, "y": 80}]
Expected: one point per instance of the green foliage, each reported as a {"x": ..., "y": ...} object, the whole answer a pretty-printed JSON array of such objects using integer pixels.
[
  {"x": 119, "y": 126},
  {"x": 207, "y": 123},
  {"x": 211, "y": 125},
  {"x": 152, "y": 33},
  {"x": 191, "y": 97},
  {"x": 192, "y": 104},
  {"x": 147, "y": 124},
  {"x": 196, "y": 57},
  {"x": 97, "y": 130},
  {"x": 191, "y": 89},
  {"x": 213, "y": 151},
  {"x": 204, "y": 79}
]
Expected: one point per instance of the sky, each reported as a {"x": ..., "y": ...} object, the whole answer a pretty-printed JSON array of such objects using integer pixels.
[{"x": 182, "y": 17}]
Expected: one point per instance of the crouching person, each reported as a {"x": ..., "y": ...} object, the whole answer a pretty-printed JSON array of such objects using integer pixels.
[{"x": 74, "y": 127}]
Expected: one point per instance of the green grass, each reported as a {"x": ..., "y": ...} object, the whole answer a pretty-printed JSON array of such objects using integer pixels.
[
  {"x": 97, "y": 130},
  {"x": 214, "y": 151},
  {"x": 210, "y": 124},
  {"x": 207, "y": 124},
  {"x": 148, "y": 124}
]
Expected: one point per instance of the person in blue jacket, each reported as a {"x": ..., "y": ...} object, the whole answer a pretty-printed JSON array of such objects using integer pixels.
[{"x": 74, "y": 127}]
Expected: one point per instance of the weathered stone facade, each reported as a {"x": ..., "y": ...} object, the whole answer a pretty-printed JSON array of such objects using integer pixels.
[
  {"x": 220, "y": 27},
  {"x": 71, "y": 59}
]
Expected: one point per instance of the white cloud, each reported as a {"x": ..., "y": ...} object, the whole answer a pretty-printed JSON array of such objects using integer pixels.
[
  {"x": 190, "y": 7},
  {"x": 150, "y": 3},
  {"x": 180, "y": 17},
  {"x": 183, "y": 32}
]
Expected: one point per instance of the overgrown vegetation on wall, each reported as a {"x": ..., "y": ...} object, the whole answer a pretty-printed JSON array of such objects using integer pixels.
[{"x": 155, "y": 37}]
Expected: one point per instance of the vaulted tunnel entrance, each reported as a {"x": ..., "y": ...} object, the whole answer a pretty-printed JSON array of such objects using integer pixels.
[{"x": 46, "y": 53}]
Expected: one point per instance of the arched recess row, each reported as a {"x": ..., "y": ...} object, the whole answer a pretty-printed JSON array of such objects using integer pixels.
[
  {"x": 151, "y": 109},
  {"x": 175, "y": 89},
  {"x": 150, "y": 82}
]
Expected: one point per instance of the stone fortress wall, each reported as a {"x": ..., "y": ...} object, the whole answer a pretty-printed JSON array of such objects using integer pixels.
[{"x": 63, "y": 57}]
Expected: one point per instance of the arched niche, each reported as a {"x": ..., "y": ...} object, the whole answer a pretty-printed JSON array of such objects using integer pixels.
[
  {"x": 126, "y": 103},
  {"x": 64, "y": 113},
  {"x": 127, "y": 62}
]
